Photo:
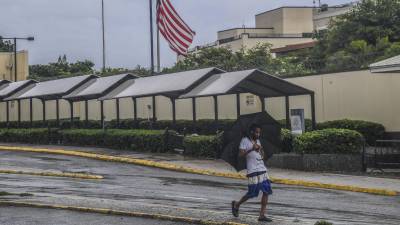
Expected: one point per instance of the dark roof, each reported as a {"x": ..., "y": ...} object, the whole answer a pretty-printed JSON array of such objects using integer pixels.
[
  {"x": 388, "y": 65},
  {"x": 247, "y": 81},
  {"x": 170, "y": 85},
  {"x": 98, "y": 87},
  {"x": 9, "y": 89},
  {"x": 53, "y": 89}
]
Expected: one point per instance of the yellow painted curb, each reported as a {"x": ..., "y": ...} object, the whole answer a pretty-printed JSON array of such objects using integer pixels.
[
  {"x": 53, "y": 174},
  {"x": 119, "y": 213},
  {"x": 178, "y": 168}
]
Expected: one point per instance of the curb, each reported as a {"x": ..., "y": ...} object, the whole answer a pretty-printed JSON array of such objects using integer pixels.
[
  {"x": 53, "y": 174},
  {"x": 169, "y": 166},
  {"x": 119, "y": 213}
]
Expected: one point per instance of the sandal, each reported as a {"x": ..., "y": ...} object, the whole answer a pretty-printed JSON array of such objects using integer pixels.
[
  {"x": 264, "y": 219},
  {"x": 235, "y": 211}
]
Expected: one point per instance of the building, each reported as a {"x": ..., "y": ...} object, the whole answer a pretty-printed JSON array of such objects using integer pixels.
[
  {"x": 281, "y": 27},
  {"x": 7, "y": 68}
]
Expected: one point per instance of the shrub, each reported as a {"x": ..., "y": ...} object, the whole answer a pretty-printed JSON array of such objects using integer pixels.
[
  {"x": 203, "y": 146},
  {"x": 286, "y": 140},
  {"x": 139, "y": 140},
  {"x": 31, "y": 136},
  {"x": 371, "y": 131},
  {"x": 329, "y": 141}
]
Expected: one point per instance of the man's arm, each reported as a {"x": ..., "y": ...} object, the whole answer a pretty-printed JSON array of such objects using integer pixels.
[{"x": 243, "y": 153}]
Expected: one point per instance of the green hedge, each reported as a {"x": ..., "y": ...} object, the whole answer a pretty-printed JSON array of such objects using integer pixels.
[
  {"x": 286, "y": 140},
  {"x": 138, "y": 140},
  {"x": 370, "y": 130},
  {"x": 203, "y": 145},
  {"x": 31, "y": 136},
  {"x": 329, "y": 141}
]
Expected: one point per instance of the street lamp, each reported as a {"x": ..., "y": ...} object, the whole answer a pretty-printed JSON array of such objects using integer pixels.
[{"x": 15, "y": 50}]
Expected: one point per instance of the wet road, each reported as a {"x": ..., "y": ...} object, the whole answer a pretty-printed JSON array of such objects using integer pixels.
[
  {"x": 130, "y": 187},
  {"x": 33, "y": 216}
]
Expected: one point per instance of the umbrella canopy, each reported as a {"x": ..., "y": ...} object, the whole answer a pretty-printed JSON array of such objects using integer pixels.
[{"x": 270, "y": 138}]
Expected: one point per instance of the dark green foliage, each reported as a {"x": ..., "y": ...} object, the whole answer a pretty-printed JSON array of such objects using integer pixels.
[
  {"x": 138, "y": 140},
  {"x": 329, "y": 141},
  {"x": 286, "y": 140},
  {"x": 370, "y": 130},
  {"x": 207, "y": 146},
  {"x": 31, "y": 136}
]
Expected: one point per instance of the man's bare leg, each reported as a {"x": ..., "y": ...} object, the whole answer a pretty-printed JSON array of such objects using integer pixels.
[
  {"x": 242, "y": 200},
  {"x": 264, "y": 202}
]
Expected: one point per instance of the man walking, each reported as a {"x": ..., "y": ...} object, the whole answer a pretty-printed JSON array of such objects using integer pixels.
[{"x": 258, "y": 180}]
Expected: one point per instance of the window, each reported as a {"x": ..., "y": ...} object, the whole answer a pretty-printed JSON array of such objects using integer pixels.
[{"x": 250, "y": 100}]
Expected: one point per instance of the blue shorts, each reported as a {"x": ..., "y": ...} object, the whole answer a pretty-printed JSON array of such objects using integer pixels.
[{"x": 258, "y": 181}]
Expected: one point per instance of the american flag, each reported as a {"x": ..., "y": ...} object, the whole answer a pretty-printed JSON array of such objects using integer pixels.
[{"x": 173, "y": 28}]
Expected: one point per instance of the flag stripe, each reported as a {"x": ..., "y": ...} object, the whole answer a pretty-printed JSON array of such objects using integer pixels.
[
  {"x": 175, "y": 31},
  {"x": 182, "y": 33},
  {"x": 177, "y": 15}
]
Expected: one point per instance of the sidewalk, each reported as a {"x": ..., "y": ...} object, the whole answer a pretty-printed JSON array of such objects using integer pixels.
[{"x": 223, "y": 167}]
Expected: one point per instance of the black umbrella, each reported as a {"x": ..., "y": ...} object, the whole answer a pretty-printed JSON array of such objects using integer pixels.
[{"x": 270, "y": 138}]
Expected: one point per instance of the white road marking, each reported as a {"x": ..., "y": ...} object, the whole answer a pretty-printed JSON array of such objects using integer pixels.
[{"x": 185, "y": 197}]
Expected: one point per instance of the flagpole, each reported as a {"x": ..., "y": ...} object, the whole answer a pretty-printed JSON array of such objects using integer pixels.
[
  {"x": 104, "y": 42},
  {"x": 158, "y": 43},
  {"x": 151, "y": 38}
]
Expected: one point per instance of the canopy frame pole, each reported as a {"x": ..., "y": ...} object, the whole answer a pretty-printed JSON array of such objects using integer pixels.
[
  {"x": 19, "y": 112},
  {"x": 313, "y": 118},
  {"x": 86, "y": 112},
  {"x": 57, "y": 112},
  {"x": 262, "y": 100},
  {"x": 216, "y": 116},
  {"x": 43, "y": 109},
  {"x": 71, "y": 111},
  {"x": 287, "y": 109},
  {"x": 135, "y": 117},
  {"x": 154, "y": 108},
  {"x": 194, "y": 110},
  {"x": 102, "y": 113},
  {"x": 8, "y": 112},
  {"x": 238, "y": 105},
  {"x": 117, "y": 110},
  {"x": 173, "y": 111},
  {"x": 31, "y": 111}
]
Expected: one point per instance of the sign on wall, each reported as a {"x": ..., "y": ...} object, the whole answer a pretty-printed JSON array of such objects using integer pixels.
[{"x": 297, "y": 121}]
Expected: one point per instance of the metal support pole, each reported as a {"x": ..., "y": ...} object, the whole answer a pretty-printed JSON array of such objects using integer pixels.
[
  {"x": 117, "y": 110},
  {"x": 314, "y": 121},
  {"x": 194, "y": 109},
  {"x": 135, "y": 117},
  {"x": 238, "y": 105},
  {"x": 58, "y": 112},
  {"x": 15, "y": 59},
  {"x": 151, "y": 38},
  {"x": 287, "y": 112},
  {"x": 31, "y": 111},
  {"x": 19, "y": 112},
  {"x": 173, "y": 111},
  {"x": 86, "y": 112},
  {"x": 102, "y": 113},
  {"x": 44, "y": 109},
  {"x": 216, "y": 107},
  {"x": 104, "y": 40},
  {"x": 8, "y": 112},
  {"x": 262, "y": 99},
  {"x": 71, "y": 108},
  {"x": 154, "y": 108}
]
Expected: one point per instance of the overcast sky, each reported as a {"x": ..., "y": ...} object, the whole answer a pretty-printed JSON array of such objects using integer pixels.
[{"x": 73, "y": 27}]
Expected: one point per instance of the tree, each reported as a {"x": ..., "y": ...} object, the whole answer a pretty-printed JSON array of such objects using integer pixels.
[{"x": 5, "y": 46}]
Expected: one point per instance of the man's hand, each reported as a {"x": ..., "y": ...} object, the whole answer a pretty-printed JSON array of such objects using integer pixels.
[{"x": 256, "y": 147}]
